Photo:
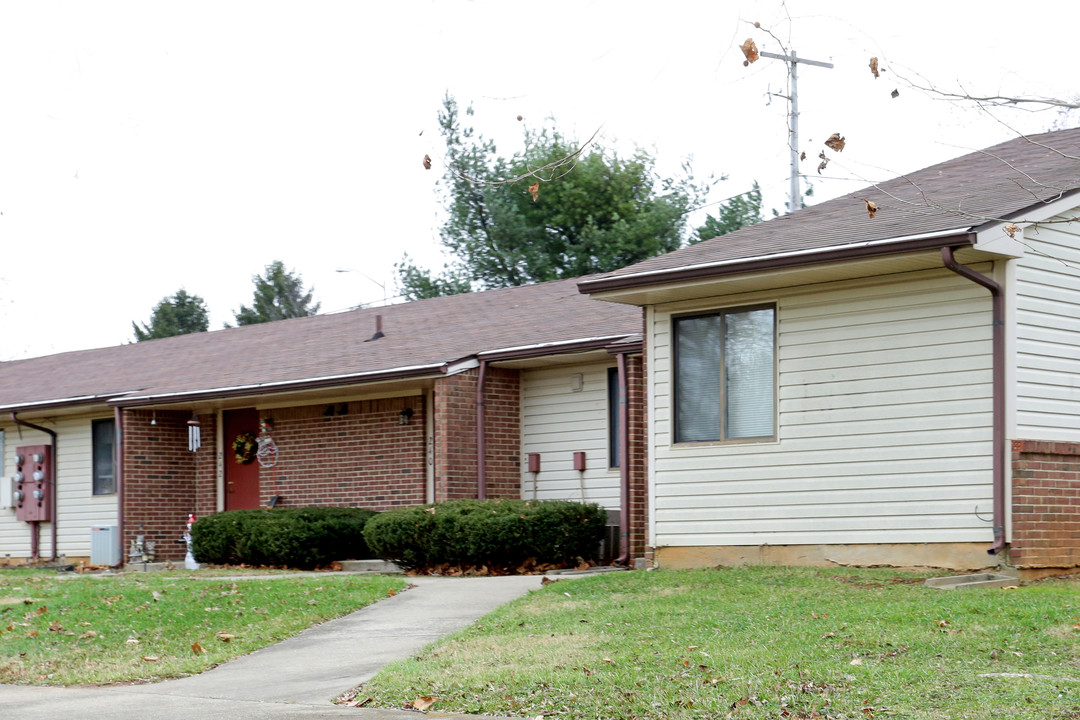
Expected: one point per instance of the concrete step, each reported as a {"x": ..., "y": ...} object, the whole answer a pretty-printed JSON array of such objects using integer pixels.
[
  {"x": 976, "y": 580},
  {"x": 372, "y": 566}
]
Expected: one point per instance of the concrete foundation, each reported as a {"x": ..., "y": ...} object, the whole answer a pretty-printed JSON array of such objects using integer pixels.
[{"x": 946, "y": 556}]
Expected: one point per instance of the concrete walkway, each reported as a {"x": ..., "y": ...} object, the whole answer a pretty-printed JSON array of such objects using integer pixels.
[{"x": 296, "y": 678}]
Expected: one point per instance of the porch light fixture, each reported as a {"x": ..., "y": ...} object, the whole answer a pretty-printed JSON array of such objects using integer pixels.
[{"x": 405, "y": 417}]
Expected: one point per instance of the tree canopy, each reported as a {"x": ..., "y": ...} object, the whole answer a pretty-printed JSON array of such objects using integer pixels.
[
  {"x": 554, "y": 210},
  {"x": 279, "y": 294},
  {"x": 177, "y": 314},
  {"x": 738, "y": 212}
]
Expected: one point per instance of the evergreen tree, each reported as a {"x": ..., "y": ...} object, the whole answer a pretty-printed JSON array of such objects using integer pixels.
[
  {"x": 177, "y": 314},
  {"x": 279, "y": 294}
]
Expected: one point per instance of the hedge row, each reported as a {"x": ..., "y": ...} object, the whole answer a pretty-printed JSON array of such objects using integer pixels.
[
  {"x": 291, "y": 537},
  {"x": 496, "y": 533}
]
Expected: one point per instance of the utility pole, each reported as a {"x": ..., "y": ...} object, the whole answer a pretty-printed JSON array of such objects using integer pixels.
[{"x": 795, "y": 197}]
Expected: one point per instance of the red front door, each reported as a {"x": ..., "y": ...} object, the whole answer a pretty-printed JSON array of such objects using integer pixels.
[{"x": 241, "y": 481}]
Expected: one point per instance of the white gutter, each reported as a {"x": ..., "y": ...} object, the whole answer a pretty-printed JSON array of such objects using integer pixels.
[
  {"x": 770, "y": 256},
  {"x": 284, "y": 384}
]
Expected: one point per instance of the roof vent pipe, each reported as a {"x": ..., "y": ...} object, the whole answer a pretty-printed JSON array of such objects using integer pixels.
[
  {"x": 378, "y": 329},
  {"x": 998, "y": 355}
]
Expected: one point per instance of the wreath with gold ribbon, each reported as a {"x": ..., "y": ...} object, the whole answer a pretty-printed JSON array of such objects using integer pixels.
[{"x": 245, "y": 446}]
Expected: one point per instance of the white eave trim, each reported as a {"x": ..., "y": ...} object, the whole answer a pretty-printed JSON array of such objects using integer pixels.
[
  {"x": 283, "y": 384},
  {"x": 554, "y": 345},
  {"x": 791, "y": 253},
  {"x": 74, "y": 400}
]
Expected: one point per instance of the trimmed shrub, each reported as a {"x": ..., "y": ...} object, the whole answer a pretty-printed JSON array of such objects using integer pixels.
[
  {"x": 289, "y": 537},
  {"x": 496, "y": 533}
]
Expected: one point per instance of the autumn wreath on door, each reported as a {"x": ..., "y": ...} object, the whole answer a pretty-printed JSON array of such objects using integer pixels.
[{"x": 245, "y": 446}]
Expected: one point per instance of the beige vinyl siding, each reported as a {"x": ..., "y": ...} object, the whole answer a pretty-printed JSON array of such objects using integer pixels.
[
  {"x": 1048, "y": 335},
  {"x": 884, "y": 423},
  {"x": 557, "y": 422},
  {"x": 78, "y": 509}
]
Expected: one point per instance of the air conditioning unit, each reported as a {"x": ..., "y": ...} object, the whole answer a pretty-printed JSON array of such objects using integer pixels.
[
  {"x": 7, "y": 492},
  {"x": 105, "y": 546}
]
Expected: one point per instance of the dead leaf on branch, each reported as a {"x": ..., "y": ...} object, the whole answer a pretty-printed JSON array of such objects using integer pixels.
[
  {"x": 835, "y": 142},
  {"x": 427, "y": 162},
  {"x": 895, "y": 93},
  {"x": 874, "y": 67},
  {"x": 1012, "y": 229},
  {"x": 424, "y": 702},
  {"x": 749, "y": 51},
  {"x": 802, "y": 156},
  {"x": 534, "y": 190},
  {"x": 871, "y": 208},
  {"x": 824, "y": 162}
]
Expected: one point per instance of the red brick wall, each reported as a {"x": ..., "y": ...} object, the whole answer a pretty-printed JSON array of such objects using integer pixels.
[
  {"x": 159, "y": 476},
  {"x": 358, "y": 456},
  {"x": 1045, "y": 504},
  {"x": 455, "y": 434}
]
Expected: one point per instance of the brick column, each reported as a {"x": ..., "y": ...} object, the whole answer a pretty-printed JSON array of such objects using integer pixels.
[
  {"x": 159, "y": 478},
  {"x": 455, "y": 434},
  {"x": 1045, "y": 504}
]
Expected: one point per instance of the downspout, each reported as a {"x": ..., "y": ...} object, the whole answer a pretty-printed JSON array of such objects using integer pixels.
[
  {"x": 624, "y": 462},
  {"x": 52, "y": 482},
  {"x": 998, "y": 355},
  {"x": 481, "y": 449},
  {"x": 118, "y": 413}
]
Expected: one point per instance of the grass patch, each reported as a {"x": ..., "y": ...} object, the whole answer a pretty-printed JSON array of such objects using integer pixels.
[
  {"x": 74, "y": 630},
  {"x": 757, "y": 642}
]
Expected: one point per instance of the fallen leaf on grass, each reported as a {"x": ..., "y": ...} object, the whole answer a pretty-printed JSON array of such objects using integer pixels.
[
  {"x": 1011, "y": 587},
  {"x": 546, "y": 581},
  {"x": 32, "y": 633},
  {"x": 391, "y": 592},
  {"x": 424, "y": 702},
  {"x": 88, "y": 634},
  {"x": 856, "y": 661},
  {"x": 132, "y": 641},
  {"x": 197, "y": 648},
  {"x": 150, "y": 658},
  {"x": 224, "y": 636}
]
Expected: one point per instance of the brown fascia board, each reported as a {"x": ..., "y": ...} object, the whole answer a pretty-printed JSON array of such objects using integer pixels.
[
  {"x": 534, "y": 351},
  {"x": 725, "y": 268},
  {"x": 282, "y": 386}
]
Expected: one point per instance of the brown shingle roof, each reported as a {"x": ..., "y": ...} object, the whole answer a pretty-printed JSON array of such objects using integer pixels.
[
  {"x": 998, "y": 183},
  {"x": 426, "y": 333}
]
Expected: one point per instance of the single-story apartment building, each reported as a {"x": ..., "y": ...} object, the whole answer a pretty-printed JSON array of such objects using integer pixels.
[
  {"x": 506, "y": 393},
  {"x": 890, "y": 377}
]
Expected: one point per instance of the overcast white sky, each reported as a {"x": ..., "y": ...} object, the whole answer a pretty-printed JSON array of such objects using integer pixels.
[{"x": 146, "y": 146}]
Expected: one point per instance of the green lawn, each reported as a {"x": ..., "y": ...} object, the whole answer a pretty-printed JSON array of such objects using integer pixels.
[
  {"x": 72, "y": 630},
  {"x": 761, "y": 642}
]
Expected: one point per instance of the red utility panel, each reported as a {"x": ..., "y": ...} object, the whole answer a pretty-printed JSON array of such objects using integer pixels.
[
  {"x": 579, "y": 461},
  {"x": 534, "y": 462},
  {"x": 33, "y": 483}
]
